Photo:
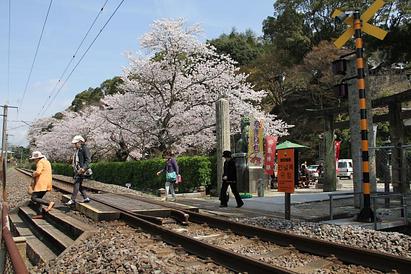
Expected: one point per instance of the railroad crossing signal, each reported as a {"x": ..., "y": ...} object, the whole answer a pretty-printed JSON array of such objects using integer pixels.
[
  {"x": 358, "y": 24},
  {"x": 366, "y": 27}
]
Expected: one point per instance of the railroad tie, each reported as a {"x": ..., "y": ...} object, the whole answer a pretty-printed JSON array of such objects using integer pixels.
[{"x": 313, "y": 265}]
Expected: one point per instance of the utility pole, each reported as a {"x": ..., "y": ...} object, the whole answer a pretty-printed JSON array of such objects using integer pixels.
[{"x": 4, "y": 150}]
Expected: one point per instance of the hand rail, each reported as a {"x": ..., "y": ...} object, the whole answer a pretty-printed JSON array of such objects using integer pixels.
[
  {"x": 12, "y": 252},
  {"x": 374, "y": 195}
]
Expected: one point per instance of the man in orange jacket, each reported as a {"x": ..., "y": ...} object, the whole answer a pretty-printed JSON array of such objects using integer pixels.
[{"x": 42, "y": 183}]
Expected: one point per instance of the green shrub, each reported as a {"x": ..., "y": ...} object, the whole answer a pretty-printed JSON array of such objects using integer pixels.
[
  {"x": 62, "y": 169},
  {"x": 196, "y": 171}
]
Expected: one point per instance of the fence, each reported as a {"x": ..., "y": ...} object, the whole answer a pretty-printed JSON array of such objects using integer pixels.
[
  {"x": 11, "y": 260},
  {"x": 377, "y": 208}
]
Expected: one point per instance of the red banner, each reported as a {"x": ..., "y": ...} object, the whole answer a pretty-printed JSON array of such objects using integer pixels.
[
  {"x": 337, "y": 146},
  {"x": 270, "y": 147}
]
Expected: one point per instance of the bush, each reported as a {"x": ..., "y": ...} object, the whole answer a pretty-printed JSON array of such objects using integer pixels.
[
  {"x": 62, "y": 169},
  {"x": 196, "y": 171}
]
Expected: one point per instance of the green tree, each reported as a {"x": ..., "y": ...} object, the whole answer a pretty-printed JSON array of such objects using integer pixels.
[
  {"x": 242, "y": 47},
  {"x": 111, "y": 86},
  {"x": 91, "y": 96}
]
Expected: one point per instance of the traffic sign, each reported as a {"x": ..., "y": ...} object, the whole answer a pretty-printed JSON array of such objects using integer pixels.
[{"x": 366, "y": 27}]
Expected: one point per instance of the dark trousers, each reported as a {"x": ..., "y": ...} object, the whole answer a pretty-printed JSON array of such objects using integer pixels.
[
  {"x": 37, "y": 199},
  {"x": 224, "y": 196},
  {"x": 78, "y": 186}
]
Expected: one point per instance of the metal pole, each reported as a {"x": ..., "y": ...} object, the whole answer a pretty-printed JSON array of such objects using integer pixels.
[
  {"x": 366, "y": 213},
  {"x": 287, "y": 206},
  {"x": 4, "y": 152},
  {"x": 331, "y": 206}
]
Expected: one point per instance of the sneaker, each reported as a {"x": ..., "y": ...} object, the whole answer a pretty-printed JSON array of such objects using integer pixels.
[
  {"x": 172, "y": 199},
  {"x": 37, "y": 216},
  {"x": 223, "y": 205},
  {"x": 51, "y": 204},
  {"x": 70, "y": 203},
  {"x": 86, "y": 200}
]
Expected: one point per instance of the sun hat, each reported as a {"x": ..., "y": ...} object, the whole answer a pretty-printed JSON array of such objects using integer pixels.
[
  {"x": 77, "y": 139},
  {"x": 36, "y": 155}
]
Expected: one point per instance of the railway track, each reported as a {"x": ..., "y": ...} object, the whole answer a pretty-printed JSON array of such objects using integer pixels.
[{"x": 251, "y": 249}]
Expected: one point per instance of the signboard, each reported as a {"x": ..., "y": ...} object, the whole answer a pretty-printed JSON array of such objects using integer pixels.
[
  {"x": 286, "y": 170},
  {"x": 270, "y": 146},
  {"x": 366, "y": 27},
  {"x": 255, "y": 143}
]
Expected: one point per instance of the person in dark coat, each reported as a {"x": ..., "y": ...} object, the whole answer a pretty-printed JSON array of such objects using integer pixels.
[
  {"x": 81, "y": 167},
  {"x": 229, "y": 179}
]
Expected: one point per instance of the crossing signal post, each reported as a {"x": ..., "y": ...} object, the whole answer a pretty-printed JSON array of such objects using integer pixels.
[{"x": 358, "y": 24}]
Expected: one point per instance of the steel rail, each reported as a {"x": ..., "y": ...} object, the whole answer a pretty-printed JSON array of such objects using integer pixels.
[
  {"x": 219, "y": 255},
  {"x": 347, "y": 254},
  {"x": 224, "y": 257}
]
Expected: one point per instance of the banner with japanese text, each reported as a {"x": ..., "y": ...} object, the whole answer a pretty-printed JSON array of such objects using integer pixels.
[
  {"x": 255, "y": 143},
  {"x": 270, "y": 146},
  {"x": 286, "y": 170}
]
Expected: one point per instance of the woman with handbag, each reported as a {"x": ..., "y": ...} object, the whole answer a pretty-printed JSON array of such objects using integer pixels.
[
  {"x": 42, "y": 183},
  {"x": 172, "y": 173}
]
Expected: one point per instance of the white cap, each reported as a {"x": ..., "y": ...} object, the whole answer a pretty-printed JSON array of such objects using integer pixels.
[
  {"x": 77, "y": 139},
  {"x": 36, "y": 155}
]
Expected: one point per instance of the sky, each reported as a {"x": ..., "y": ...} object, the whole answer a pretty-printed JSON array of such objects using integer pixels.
[{"x": 67, "y": 23}]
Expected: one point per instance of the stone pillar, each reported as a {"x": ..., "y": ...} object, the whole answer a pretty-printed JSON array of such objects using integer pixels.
[
  {"x": 354, "y": 112},
  {"x": 330, "y": 178},
  {"x": 397, "y": 139},
  {"x": 371, "y": 140},
  {"x": 223, "y": 136}
]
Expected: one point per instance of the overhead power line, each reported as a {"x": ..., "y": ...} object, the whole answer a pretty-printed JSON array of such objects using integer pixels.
[
  {"x": 72, "y": 58},
  {"x": 84, "y": 54},
  {"x": 8, "y": 54},
  {"x": 35, "y": 54}
]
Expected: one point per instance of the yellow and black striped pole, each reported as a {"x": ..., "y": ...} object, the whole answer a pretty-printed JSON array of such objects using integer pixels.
[{"x": 366, "y": 212}]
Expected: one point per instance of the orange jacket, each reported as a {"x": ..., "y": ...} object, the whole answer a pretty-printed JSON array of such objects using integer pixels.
[{"x": 42, "y": 176}]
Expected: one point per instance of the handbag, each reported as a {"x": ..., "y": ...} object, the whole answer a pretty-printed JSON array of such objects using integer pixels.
[
  {"x": 179, "y": 179},
  {"x": 171, "y": 176}
]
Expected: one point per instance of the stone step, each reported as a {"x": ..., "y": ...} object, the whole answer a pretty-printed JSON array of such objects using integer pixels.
[
  {"x": 46, "y": 232},
  {"x": 71, "y": 226},
  {"x": 36, "y": 251}
]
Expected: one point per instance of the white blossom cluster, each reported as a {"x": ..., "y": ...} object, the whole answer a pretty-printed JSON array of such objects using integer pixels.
[{"x": 167, "y": 101}]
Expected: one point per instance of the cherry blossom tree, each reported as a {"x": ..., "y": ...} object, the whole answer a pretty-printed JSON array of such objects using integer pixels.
[
  {"x": 168, "y": 100},
  {"x": 171, "y": 91}
]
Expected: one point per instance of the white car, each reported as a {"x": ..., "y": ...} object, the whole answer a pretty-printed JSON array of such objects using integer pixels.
[
  {"x": 344, "y": 168},
  {"x": 313, "y": 171}
]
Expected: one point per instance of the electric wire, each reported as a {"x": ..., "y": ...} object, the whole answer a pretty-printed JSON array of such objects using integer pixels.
[
  {"x": 84, "y": 54},
  {"x": 35, "y": 55},
  {"x": 8, "y": 54},
  {"x": 72, "y": 58}
]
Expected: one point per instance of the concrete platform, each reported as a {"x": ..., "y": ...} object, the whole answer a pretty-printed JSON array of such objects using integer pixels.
[
  {"x": 94, "y": 210},
  {"x": 99, "y": 211}
]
